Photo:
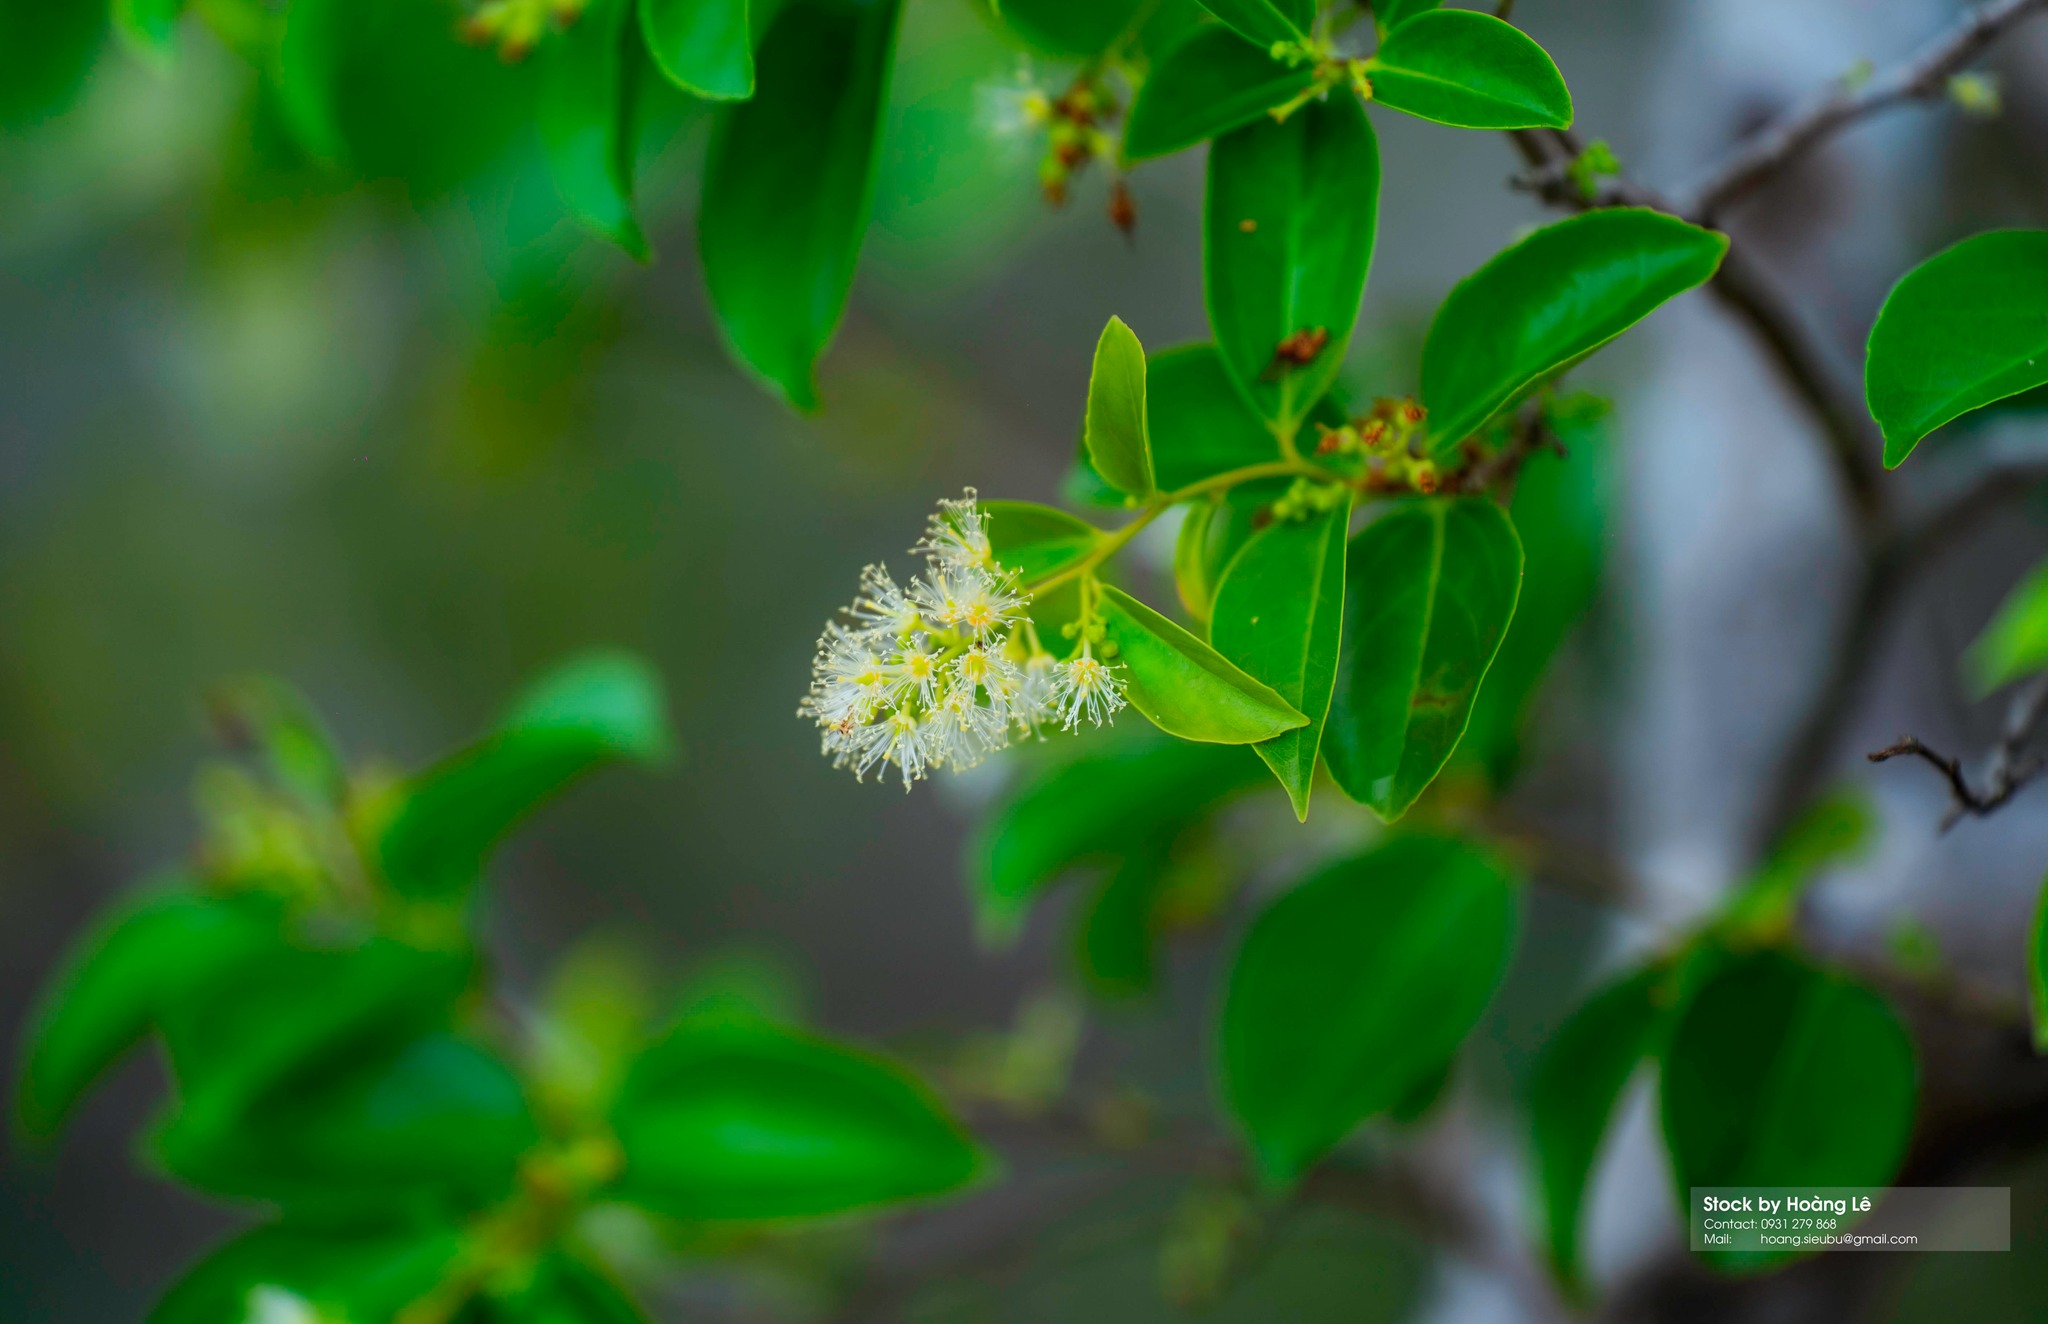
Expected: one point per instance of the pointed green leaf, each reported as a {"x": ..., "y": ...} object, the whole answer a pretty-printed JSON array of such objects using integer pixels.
[
  {"x": 1288, "y": 238},
  {"x": 1835, "y": 828},
  {"x": 1200, "y": 425},
  {"x": 586, "y": 118},
  {"x": 1779, "y": 1074},
  {"x": 1211, "y": 83},
  {"x": 1356, "y": 987},
  {"x": 1266, "y": 22},
  {"x": 2015, "y": 644},
  {"x": 1431, "y": 587},
  {"x": 1278, "y": 614},
  {"x": 1118, "y": 444},
  {"x": 702, "y": 46},
  {"x": 1391, "y": 14},
  {"x": 117, "y": 982},
  {"x": 1573, "y": 1089},
  {"x": 1191, "y": 579},
  {"x": 1069, "y": 30},
  {"x": 1549, "y": 301},
  {"x": 150, "y": 26},
  {"x": 1184, "y": 686},
  {"x": 311, "y": 1272},
  {"x": 788, "y": 184},
  {"x": 1965, "y": 328},
  {"x": 724, "y": 1120},
  {"x": 1469, "y": 70},
  {"x": 1036, "y": 540},
  {"x": 597, "y": 710}
]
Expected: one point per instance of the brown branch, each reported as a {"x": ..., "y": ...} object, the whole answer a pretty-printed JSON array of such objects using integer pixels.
[
  {"x": 1922, "y": 78},
  {"x": 2012, "y": 767}
]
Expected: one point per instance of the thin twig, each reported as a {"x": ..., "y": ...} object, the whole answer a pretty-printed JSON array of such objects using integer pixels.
[
  {"x": 1922, "y": 78},
  {"x": 2012, "y": 766}
]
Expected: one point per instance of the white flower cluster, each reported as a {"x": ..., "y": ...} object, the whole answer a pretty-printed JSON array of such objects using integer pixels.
[{"x": 943, "y": 671}]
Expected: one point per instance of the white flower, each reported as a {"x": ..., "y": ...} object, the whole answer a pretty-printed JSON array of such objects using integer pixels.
[
  {"x": 915, "y": 672},
  {"x": 974, "y": 602},
  {"x": 1014, "y": 108},
  {"x": 882, "y": 607},
  {"x": 957, "y": 537},
  {"x": 1037, "y": 686},
  {"x": 1087, "y": 688}
]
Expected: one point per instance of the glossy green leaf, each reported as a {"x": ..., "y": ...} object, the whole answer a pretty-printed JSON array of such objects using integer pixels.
[
  {"x": 1431, "y": 587},
  {"x": 2015, "y": 644},
  {"x": 1962, "y": 330},
  {"x": 596, "y": 710},
  {"x": 788, "y": 184},
  {"x": 1354, "y": 988},
  {"x": 1115, "y": 432},
  {"x": 1069, "y": 30},
  {"x": 434, "y": 1124},
  {"x": 116, "y": 983},
  {"x": 1093, "y": 808},
  {"x": 2037, "y": 971},
  {"x": 1036, "y": 540},
  {"x": 1278, "y": 614},
  {"x": 1574, "y": 1087},
  {"x": 1390, "y": 14},
  {"x": 727, "y": 1121},
  {"x": 1265, "y": 22},
  {"x": 1469, "y": 70},
  {"x": 1192, "y": 581},
  {"x": 150, "y": 26},
  {"x": 1200, "y": 424},
  {"x": 1288, "y": 236},
  {"x": 586, "y": 117},
  {"x": 1211, "y": 83},
  {"x": 327, "y": 1273},
  {"x": 1779, "y": 1074},
  {"x": 1184, "y": 686},
  {"x": 1549, "y": 301},
  {"x": 702, "y": 46}
]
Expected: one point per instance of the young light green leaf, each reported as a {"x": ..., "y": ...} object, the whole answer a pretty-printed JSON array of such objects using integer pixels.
[
  {"x": 149, "y": 955},
  {"x": 1390, "y": 14},
  {"x": 150, "y": 26},
  {"x": 337, "y": 1273},
  {"x": 1784, "y": 1075},
  {"x": 1036, "y": 540},
  {"x": 727, "y": 1120},
  {"x": 1288, "y": 231},
  {"x": 1431, "y": 587},
  {"x": 1549, "y": 301},
  {"x": 269, "y": 717},
  {"x": 1184, "y": 686},
  {"x": 586, "y": 118},
  {"x": 1278, "y": 614},
  {"x": 702, "y": 46},
  {"x": 1211, "y": 83},
  {"x": 596, "y": 710},
  {"x": 1835, "y": 828},
  {"x": 1265, "y": 23},
  {"x": 2015, "y": 644},
  {"x": 1092, "y": 808},
  {"x": 1965, "y": 328},
  {"x": 1468, "y": 70},
  {"x": 1118, "y": 444},
  {"x": 1067, "y": 30},
  {"x": 1354, "y": 988},
  {"x": 788, "y": 183},
  {"x": 1573, "y": 1089}
]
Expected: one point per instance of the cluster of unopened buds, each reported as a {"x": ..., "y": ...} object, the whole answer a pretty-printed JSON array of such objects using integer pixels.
[
  {"x": 945, "y": 670},
  {"x": 515, "y": 27},
  {"x": 1386, "y": 440}
]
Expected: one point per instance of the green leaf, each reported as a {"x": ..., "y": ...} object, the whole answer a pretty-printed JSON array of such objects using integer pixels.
[
  {"x": 731, "y": 1121},
  {"x": 565, "y": 1289},
  {"x": 336, "y": 1274},
  {"x": 1200, "y": 424},
  {"x": 1431, "y": 587},
  {"x": 150, "y": 954},
  {"x": 1036, "y": 540},
  {"x": 1266, "y": 22},
  {"x": 1573, "y": 1089},
  {"x": 1192, "y": 582},
  {"x": 1965, "y": 328},
  {"x": 45, "y": 51},
  {"x": 788, "y": 184},
  {"x": 1066, "y": 29},
  {"x": 1354, "y": 988},
  {"x": 1118, "y": 928},
  {"x": 1211, "y": 83},
  {"x": 1391, "y": 14},
  {"x": 1184, "y": 686},
  {"x": 436, "y": 1124},
  {"x": 1835, "y": 828},
  {"x": 2037, "y": 971},
  {"x": 1278, "y": 614},
  {"x": 702, "y": 46},
  {"x": 266, "y": 714},
  {"x": 1549, "y": 301},
  {"x": 1469, "y": 70},
  {"x": 1288, "y": 236},
  {"x": 1118, "y": 444},
  {"x": 150, "y": 26},
  {"x": 586, "y": 117},
  {"x": 599, "y": 709},
  {"x": 2015, "y": 644},
  {"x": 1778, "y": 1074},
  {"x": 1092, "y": 808}
]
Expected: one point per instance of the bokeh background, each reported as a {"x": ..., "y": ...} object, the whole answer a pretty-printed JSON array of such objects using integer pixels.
[{"x": 406, "y": 447}]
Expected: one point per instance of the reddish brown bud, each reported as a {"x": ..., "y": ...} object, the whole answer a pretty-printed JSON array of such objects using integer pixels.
[{"x": 1123, "y": 211}]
